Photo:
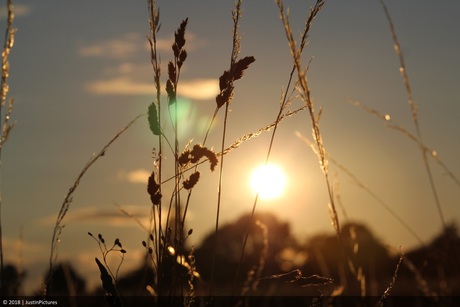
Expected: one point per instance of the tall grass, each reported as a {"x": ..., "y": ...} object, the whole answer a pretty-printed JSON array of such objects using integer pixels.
[
  {"x": 165, "y": 238},
  {"x": 414, "y": 110},
  {"x": 59, "y": 224},
  {"x": 5, "y": 122},
  {"x": 285, "y": 101},
  {"x": 224, "y": 98},
  {"x": 304, "y": 91},
  {"x": 305, "y": 94}
]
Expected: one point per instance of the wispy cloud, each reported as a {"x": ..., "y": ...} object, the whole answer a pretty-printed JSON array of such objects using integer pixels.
[
  {"x": 111, "y": 216},
  {"x": 136, "y": 176},
  {"x": 117, "y": 48},
  {"x": 119, "y": 86},
  {"x": 199, "y": 89},
  {"x": 18, "y": 9},
  {"x": 131, "y": 44},
  {"x": 128, "y": 78}
]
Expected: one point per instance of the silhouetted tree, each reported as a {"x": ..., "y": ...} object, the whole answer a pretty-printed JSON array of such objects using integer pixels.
[
  {"x": 433, "y": 269},
  {"x": 265, "y": 243},
  {"x": 362, "y": 257}
]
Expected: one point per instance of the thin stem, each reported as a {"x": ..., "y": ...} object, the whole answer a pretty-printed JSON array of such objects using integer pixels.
[
  {"x": 256, "y": 198},
  {"x": 244, "y": 138},
  {"x": 8, "y": 45},
  {"x": 414, "y": 110},
  {"x": 55, "y": 240},
  {"x": 157, "y": 231},
  {"x": 219, "y": 198},
  {"x": 304, "y": 91},
  {"x": 429, "y": 151},
  {"x": 236, "y": 14}
]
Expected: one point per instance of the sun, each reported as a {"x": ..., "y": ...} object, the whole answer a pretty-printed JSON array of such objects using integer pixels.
[{"x": 268, "y": 180}]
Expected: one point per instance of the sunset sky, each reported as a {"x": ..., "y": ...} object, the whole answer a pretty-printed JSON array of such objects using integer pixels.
[{"x": 80, "y": 71}]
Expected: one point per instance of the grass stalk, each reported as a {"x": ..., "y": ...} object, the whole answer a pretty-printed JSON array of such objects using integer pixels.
[
  {"x": 244, "y": 138},
  {"x": 392, "y": 125},
  {"x": 55, "y": 240},
  {"x": 174, "y": 69},
  {"x": 363, "y": 186},
  {"x": 156, "y": 229},
  {"x": 283, "y": 104},
  {"x": 414, "y": 110},
  {"x": 219, "y": 197},
  {"x": 305, "y": 94},
  {"x": 393, "y": 281},
  {"x": 4, "y": 121},
  {"x": 227, "y": 95},
  {"x": 304, "y": 91}
]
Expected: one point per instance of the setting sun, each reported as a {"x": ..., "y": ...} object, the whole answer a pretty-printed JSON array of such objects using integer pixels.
[{"x": 268, "y": 180}]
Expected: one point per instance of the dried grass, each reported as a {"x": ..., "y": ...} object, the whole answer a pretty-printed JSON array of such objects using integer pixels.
[
  {"x": 165, "y": 236},
  {"x": 58, "y": 227},
  {"x": 5, "y": 124},
  {"x": 225, "y": 97},
  {"x": 414, "y": 110},
  {"x": 393, "y": 281},
  {"x": 366, "y": 188}
]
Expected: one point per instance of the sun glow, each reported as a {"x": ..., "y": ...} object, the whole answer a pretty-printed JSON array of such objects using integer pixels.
[{"x": 268, "y": 180}]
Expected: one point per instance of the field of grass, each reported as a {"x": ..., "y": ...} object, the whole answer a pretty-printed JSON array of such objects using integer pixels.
[{"x": 256, "y": 258}]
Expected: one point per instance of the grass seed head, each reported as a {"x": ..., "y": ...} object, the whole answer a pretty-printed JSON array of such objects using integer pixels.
[
  {"x": 179, "y": 38},
  {"x": 153, "y": 119},
  {"x": 153, "y": 188},
  {"x": 117, "y": 242},
  {"x": 191, "y": 181}
]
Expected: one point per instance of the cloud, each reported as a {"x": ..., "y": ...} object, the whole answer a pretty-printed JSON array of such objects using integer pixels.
[
  {"x": 123, "y": 47},
  {"x": 119, "y": 86},
  {"x": 136, "y": 176},
  {"x": 130, "y": 44},
  {"x": 128, "y": 78},
  {"x": 198, "y": 89},
  {"x": 112, "y": 216},
  {"x": 18, "y": 9}
]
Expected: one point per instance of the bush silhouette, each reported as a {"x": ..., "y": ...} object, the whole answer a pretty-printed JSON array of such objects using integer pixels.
[{"x": 229, "y": 246}]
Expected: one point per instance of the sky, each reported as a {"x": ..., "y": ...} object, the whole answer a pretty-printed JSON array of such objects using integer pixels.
[{"x": 80, "y": 71}]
